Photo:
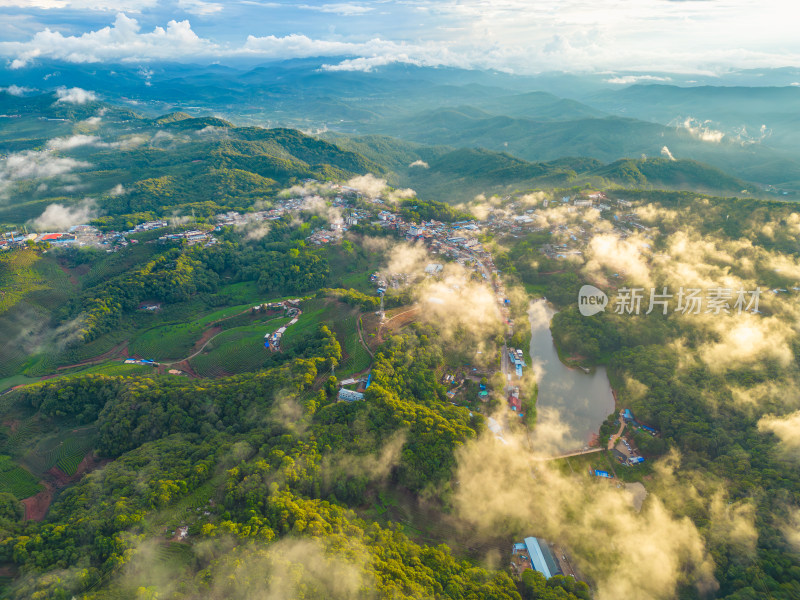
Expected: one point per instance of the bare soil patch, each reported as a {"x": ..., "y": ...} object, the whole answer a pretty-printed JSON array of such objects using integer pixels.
[{"x": 36, "y": 507}]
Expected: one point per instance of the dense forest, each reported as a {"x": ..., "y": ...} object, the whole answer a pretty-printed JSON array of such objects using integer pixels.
[{"x": 274, "y": 466}]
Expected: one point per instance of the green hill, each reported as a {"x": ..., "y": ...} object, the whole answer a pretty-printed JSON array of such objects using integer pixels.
[{"x": 670, "y": 174}]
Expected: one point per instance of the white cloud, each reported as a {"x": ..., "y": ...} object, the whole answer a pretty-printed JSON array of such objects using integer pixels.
[
  {"x": 701, "y": 130},
  {"x": 367, "y": 64},
  {"x": 101, "y": 5},
  {"x": 199, "y": 7},
  {"x": 420, "y": 163},
  {"x": 75, "y": 95},
  {"x": 120, "y": 41},
  {"x": 509, "y": 35},
  {"x": 631, "y": 79},
  {"x": 368, "y": 184},
  {"x": 16, "y": 90},
  {"x": 75, "y": 141},
  {"x": 346, "y": 9},
  {"x": 787, "y": 429},
  {"x": 32, "y": 165},
  {"x": 78, "y": 140},
  {"x": 57, "y": 217}
]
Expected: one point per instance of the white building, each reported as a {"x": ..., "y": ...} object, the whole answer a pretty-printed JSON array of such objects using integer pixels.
[{"x": 350, "y": 395}]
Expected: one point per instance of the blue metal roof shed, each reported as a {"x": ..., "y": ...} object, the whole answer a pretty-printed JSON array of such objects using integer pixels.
[{"x": 541, "y": 558}]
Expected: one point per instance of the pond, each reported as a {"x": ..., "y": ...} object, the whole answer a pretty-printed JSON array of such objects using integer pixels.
[{"x": 572, "y": 404}]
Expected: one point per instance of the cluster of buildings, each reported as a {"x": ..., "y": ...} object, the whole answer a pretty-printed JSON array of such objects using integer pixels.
[
  {"x": 193, "y": 236},
  {"x": 516, "y": 357},
  {"x": 272, "y": 341},
  {"x": 141, "y": 361},
  {"x": 514, "y": 403},
  {"x": 79, "y": 235},
  {"x": 148, "y": 226}
]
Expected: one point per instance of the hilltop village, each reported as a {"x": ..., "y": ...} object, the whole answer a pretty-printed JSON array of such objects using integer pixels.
[{"x": 458, "y": 241}]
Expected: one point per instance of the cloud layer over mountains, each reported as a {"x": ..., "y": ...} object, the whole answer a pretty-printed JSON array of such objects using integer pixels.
[{"x": 508, "y": 35}]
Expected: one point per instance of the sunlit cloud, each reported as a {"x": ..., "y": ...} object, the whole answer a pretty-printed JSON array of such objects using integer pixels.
[{"x": 627, "y": 40}]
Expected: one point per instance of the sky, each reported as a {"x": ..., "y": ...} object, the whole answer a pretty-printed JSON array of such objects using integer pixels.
[{"x": 517, "y": 36}]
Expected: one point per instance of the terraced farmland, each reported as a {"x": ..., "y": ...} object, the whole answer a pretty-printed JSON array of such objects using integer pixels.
[
  {"x": 18, "y": 277},
  {"x": 238, "y": 350},
  {"x": 19, "y": 325},
  {"x": 71, "y": 453},
  {"x": 355, "y": 357},
  {"x": 65, "y": 451},
  {"x": 174, "y": 342},
  {"x": 171, "y": 342},
  {"x": 119, "y": 368},
  {"x": 24, "y": 432},
  {"x": 342, "y": 320},
  {"x": 15, "y": 480}
]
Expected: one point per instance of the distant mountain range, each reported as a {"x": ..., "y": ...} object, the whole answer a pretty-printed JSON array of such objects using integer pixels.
[
  {"x": 588, "y": 116},
  {"x": 174, "y": 162}
]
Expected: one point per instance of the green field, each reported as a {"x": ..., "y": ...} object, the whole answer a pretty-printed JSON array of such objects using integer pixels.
[
  {"x": 64, "y": 450},
  {"x": 25, "y": 431},
  {"x": 313, "y": 314},
  {"x": 342, "y": 319},
  {"x": 176, "y": 341},
  {"x": 15, "y": 480},
  {"x": 18, "y": 277},
  {"x": 15, "y": 380},
  {"x": 355, "y": 357},
  {"x": 101, "y": 345},
  {"x": 171, "y": 342},
  {"x": 237, "y": 350},
  {"x": 117, "y": 367},
  {"x": 582, "y": 463}
]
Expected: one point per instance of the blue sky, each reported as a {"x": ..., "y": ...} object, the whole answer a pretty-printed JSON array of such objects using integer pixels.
[{"x": 520, "y": 36}]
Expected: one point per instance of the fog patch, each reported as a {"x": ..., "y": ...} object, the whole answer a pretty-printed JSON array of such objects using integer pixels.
[
  {"x": 58, "y": 217},
  {"x": 502, "y": 489},
  {"x": 701, "y": 130},
  {"x": 368, "y": 184},
  {"x": 289, "y": 569},
  {"x": 33, "y": 165},
  {"x": 75, "y": 95},
  {"x": 75, "y": 141},
  {"x": 610, "y": 252},
  {"x": 787, "y": 430},
  {"x": 16, "y": 90}
]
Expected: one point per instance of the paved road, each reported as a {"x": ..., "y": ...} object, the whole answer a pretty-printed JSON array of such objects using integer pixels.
[{"x": 568, "y": 454}]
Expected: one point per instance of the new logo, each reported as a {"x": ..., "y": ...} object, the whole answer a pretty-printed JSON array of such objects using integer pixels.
[{"x": 591, "y": 300}]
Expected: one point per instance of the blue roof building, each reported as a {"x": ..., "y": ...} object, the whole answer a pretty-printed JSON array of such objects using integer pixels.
[{"x": 541, "y": 557}]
